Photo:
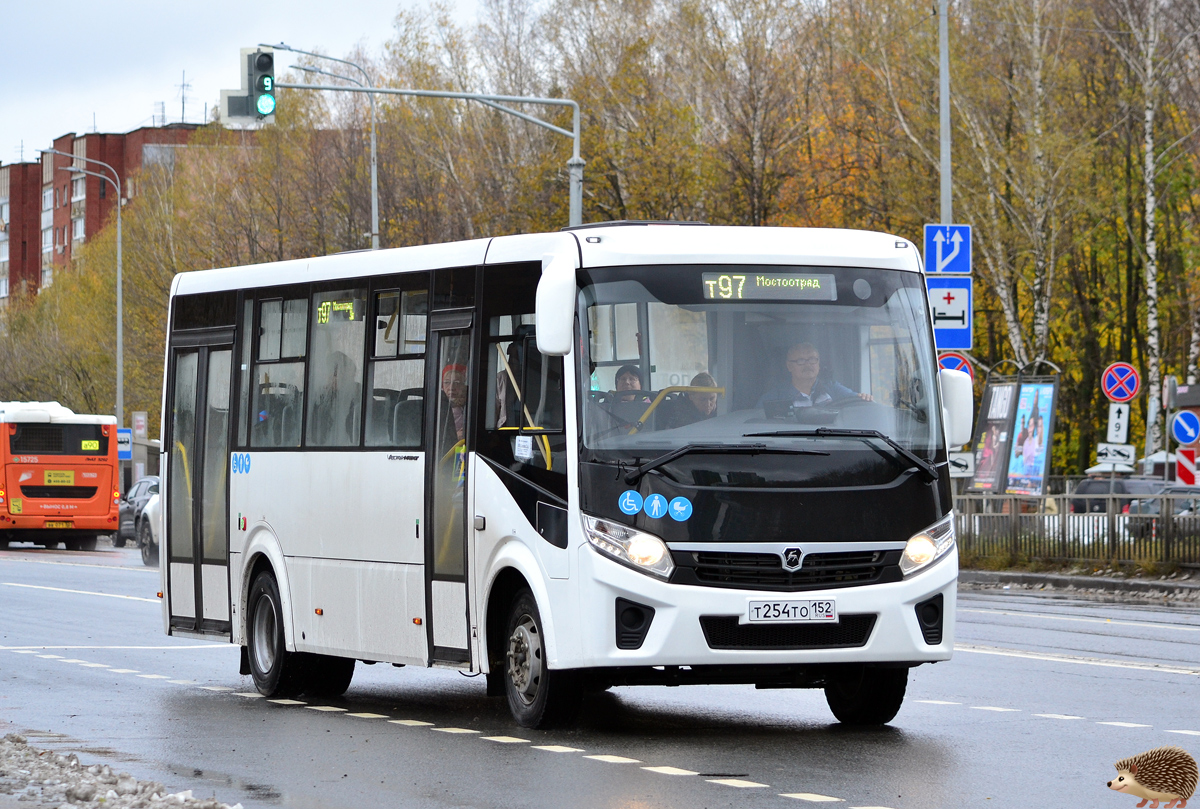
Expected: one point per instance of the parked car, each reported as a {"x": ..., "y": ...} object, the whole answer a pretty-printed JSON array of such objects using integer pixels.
[
  {"x": 131, "y": 507},
  {"x": 1143, "y": 513},
  {"x": 150, "y": 530},
  {"x": 1098, "y": 489}
]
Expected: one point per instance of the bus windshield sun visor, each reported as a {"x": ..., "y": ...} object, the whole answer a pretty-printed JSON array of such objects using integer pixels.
[
  {"x": 634, "y": 475},
  {"x": 927, "y": 471}
]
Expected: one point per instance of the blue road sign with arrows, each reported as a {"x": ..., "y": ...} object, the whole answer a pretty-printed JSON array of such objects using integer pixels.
[
  {"x": 951, "y": 306},
  {"x": 948, "y": 248},
  {"x": 1186, "y": 427}
]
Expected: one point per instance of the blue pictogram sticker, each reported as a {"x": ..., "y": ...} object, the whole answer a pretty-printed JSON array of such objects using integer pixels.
[
  {"x": 680, "y": 509},
  {"x": 630, "y": 502},
  {"x": 656, "y": 506}
]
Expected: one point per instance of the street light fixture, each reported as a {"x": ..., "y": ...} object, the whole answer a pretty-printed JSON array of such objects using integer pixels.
[
  {"x": 115, "y": 182},
  {"x": 369, "y": 86}
]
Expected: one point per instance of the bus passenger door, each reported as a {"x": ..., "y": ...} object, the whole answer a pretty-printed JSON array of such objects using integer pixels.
[
  {"x": 446, "y": 471},
  {"x": 197, "y": 525}
]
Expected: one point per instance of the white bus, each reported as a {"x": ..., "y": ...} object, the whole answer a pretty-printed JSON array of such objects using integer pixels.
[{"x": 618, "y": 455}]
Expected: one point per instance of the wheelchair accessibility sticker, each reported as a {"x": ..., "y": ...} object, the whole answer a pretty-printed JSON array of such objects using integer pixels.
[{"x": 630, "y": 502}]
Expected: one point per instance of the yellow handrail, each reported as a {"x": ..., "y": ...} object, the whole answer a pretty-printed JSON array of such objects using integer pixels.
[
  {"x": 661, "y": 395},
  {"x": 544, "y": 444}
]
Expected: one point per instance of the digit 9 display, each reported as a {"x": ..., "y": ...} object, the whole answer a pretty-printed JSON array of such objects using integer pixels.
[{"x": 768, "y": 286}]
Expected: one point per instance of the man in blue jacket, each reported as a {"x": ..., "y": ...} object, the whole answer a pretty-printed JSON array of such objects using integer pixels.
[{"x": 807, "y": 388}]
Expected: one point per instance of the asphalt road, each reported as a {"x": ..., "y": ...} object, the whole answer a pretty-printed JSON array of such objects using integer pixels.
[{"x": 1042, "y": 696}]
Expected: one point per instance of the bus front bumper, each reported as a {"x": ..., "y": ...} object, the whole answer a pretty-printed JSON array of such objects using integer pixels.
[{"x": 677, "y": 636}]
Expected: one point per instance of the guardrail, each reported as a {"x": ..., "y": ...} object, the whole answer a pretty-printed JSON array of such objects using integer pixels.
[{"x": 1162, "y": 528}]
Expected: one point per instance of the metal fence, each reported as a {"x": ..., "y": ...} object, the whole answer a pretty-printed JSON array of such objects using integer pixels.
[{"x": 1163, "y": 528}]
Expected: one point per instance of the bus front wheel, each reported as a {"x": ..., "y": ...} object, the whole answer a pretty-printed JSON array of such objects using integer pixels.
[
  {"x": 538, "y": 696},
  {"x": 867, "y": 696},
  {"x": 276, "y": 671}
]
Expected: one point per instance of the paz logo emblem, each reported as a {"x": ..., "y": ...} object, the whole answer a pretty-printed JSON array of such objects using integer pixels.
[{"x": 792, "y": 557}]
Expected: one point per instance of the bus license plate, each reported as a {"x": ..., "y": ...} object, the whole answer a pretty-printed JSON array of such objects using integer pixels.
[
  {"x": 788, "y": 612},
  {"x": 59, "y": 524},
  {"x": 60, "y": 478}
]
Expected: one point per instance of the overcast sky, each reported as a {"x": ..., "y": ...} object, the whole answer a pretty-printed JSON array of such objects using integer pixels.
[{"x": 84, "y": 65}]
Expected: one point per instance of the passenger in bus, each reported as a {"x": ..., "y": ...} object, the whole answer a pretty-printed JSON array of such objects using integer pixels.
[
  {"x": 806, "y": 388},
  {"x": 629, "y": 377},
  {"x": 694, "y": 406},
  {"x": 454, "y": 386}
]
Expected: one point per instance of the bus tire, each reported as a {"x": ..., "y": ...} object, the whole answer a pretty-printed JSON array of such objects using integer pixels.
[
  {"x": 118, "y": 540},
  {"x": 276, "y": 671},
  {"x": 868, "y": 696},
  {"x": 85, "y": 544},
  {"x": 149, "y": 548},
  {"x": 538, "y": 696},
  {"x": 327, "y": 676}
]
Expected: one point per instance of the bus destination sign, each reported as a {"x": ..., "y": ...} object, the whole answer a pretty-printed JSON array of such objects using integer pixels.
[{"x": 768, "y": 286}]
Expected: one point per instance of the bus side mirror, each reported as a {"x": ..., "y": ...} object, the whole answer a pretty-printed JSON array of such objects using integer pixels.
[
  {"x": 555, "y": 306},
  {"x": 958, "y": 406}
]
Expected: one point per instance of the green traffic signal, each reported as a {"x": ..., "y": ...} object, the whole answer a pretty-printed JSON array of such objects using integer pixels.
[
  {"x": 262, "y": 67},
  {"x": 265, "y": 104}
]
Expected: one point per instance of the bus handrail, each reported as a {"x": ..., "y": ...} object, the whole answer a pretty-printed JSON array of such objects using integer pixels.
[{"x": 662, "y": 394}]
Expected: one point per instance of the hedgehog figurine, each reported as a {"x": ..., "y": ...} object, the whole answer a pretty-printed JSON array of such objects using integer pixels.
[{"x": 1162, "y": 774}]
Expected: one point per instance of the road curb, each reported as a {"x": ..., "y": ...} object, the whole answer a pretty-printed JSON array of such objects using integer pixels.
[{"x": 1060, "y": 581}]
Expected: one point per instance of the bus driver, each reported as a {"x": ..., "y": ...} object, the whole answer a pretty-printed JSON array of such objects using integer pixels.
[{"x": 807, "y": 388}]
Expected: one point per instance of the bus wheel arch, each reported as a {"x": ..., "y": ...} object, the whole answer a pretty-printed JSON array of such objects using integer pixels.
[
  {"x": 263, "y": 553},
  {"x": 508, "y": 582}
]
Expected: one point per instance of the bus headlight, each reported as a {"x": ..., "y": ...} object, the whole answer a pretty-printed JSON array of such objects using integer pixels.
[
  {"x": 928, "y": 546},
  {"x": 629, "y": 546}
]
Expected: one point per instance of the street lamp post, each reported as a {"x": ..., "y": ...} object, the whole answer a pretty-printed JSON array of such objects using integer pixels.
[
  {"x": 369, "y": 86},
  {"x": 115, "y": 182}
]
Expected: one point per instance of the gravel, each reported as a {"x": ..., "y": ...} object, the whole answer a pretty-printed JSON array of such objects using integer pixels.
[{"x": 43, "y": 778}]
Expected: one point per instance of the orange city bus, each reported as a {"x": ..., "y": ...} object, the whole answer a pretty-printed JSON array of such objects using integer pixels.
[{"x": 58, "y": 475}]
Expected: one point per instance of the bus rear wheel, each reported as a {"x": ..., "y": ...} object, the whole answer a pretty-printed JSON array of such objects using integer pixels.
[
  {"x": 538, "y": 696},
  {"x": 327, "y": 676},
  {"x": 85, "y": 544},
  {"x": 867, "y": 696},
  {"x": 276, "y": 671}
]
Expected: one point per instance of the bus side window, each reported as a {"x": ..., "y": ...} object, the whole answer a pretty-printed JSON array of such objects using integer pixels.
[
  {"x": 277, "y": 385},
  {"x": 396, "y": 376},
  {"x": 335, "y": 371}
]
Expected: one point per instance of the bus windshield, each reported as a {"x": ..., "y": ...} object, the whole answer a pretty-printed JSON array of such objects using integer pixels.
[{"x": 750, "y": 356}]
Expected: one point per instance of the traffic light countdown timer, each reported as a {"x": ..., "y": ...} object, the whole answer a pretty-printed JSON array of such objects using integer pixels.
[{"x": 254, "y": 103}]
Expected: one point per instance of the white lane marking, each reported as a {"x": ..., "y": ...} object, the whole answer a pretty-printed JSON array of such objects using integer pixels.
[
  {"x": 669, "y": 771},
  {"x": 154, "y": 676},
  {"x": 248, "y": 694},
  {"x": 175, "y": 648},
  {"x": 286, "y": 702},
  {"x": 205, "y": 687},
  {"x": 24, "y": 651},
  {"x": 870, "y": 807},
  {"x": 927, "y": 702},
  {"x": 1057, "y": 716},
  {"x": 454, "y": 730},
  {"x": 505, "y": 739},
  {"x": 130, "y": 569},
  {"x": 412, "y": 723},
  {"x": 51, "y": 657},
  {"x": 124, "y": 671},
  {"x": 182, "y": 682},
  {"x": 368, "y": 715},
  {"x": 1124, "y": 724},
  {"x": 80, "y": 592},
  {"x": 993, "y": 708},
  {"x": 614, "y": 759},
  {"x": 95, "y": 665},
  {"x": 736, "y": 782},
  {"x": 556, "y": 748},
  {"x": 1086, "y": 661},
  {"x": 70, "y": 660},
  {"x": 1110, "y": 622},
  {"x": 1187, "y": 732},
  {"x": 811, "y": 797},
  {"x": 327, "y": 708}
]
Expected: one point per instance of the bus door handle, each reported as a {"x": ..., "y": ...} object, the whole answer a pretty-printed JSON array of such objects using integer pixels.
[{"x": 480, "y": 522}]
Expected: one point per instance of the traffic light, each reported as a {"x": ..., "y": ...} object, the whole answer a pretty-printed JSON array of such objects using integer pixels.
[{"x": 262, "y": 83}]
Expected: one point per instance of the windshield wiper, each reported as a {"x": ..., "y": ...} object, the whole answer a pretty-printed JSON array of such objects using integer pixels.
[
  {"x": 634, "y": 475},
  {"x": 926, "y": 468}
]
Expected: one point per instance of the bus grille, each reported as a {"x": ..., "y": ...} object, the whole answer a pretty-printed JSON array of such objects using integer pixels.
[
  {"x": 764, "y": 571},
  {"x": 59, "y": 492},
  {"x": 31, "y": 439},
  {"x": 724, "y": 632}
]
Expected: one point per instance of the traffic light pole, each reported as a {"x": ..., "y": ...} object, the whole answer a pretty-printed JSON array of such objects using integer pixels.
[
  {"x": 115, "y": 182},
  {"x": 574, "y": 165}
]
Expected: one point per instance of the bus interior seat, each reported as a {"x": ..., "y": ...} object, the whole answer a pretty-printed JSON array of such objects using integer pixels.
[{"x": 406, "y": 423}]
